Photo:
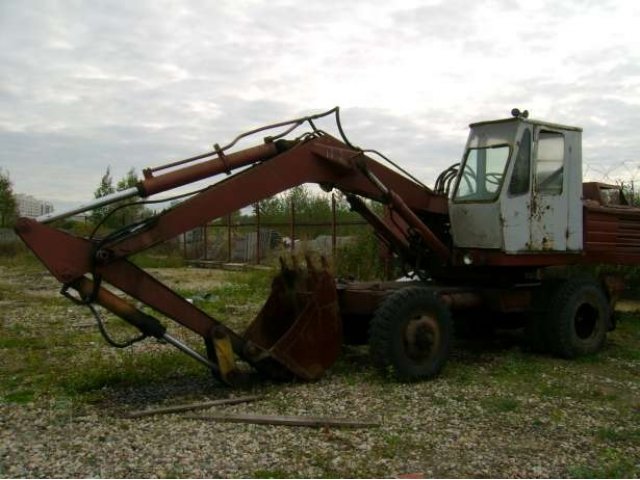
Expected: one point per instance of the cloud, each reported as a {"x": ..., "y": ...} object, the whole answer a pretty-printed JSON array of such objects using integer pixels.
[{"x": 84, "y": 85}]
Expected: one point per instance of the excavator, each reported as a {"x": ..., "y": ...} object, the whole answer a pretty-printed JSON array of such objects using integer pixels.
[{"x": 501, "y": 234}]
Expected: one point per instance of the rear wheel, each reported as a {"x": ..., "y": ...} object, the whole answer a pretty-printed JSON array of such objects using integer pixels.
[
  {"x": 578, "y": 318},
  {"x": 411, "y": 334}
]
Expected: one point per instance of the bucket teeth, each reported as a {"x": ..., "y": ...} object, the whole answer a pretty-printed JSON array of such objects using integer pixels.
[
  {"x": 299, "y": 325},
  {"x": 311, "y": 267}
]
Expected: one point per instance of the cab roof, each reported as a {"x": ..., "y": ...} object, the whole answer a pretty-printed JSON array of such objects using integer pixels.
[{"x": 530, "y": 121}]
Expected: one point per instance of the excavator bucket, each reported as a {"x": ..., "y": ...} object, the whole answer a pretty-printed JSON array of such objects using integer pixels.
[{"x": 299, "y": 325}]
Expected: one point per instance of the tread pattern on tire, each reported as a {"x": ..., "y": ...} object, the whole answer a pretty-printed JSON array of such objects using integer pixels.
[
  {"x": 387, "y": 324},
  {"x": 560, "y": 319}
]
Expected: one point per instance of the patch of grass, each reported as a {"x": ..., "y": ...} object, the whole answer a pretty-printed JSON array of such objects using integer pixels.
[
  {"x": 592, "y": 359},
  {"x": 628, "y": 325},
  {"x": 258, "y": 280},
  {"x": 51, "y": 355},
  {"x": 624, "y": 340},
  {"x": 609, "y": 463},
  {"x": 237, "y": 300},
  {"x": 62, "y": 360},
  {"x": 323, "y": 461},
  {"x": 130, "y": 369},
  {"x": 157, "y": 260},
  {"x": 556, "y": 386},
  {"x": 272, "y": 474},
  {"x": 500, "y": 404},
  {"x": 439, "y": 401},
  {"x": 76, "y": 363},
  {"x": 551, "y": 388},
  {"x": 393, "y": 444},
  {"x": 601, "y": 393},
  {"x": 21, "y": 342},
  {"x": 619, "y": 434},
  {"x": 460, "y": 374},
  {"x": 237, "y": 288},
  {"x": 360, "y": 259},
  {"x": 628, "y": 353},
  {"x": 18, "y": 255},
  {"x": 516, "y": 365},
  {"x": 20, "y": 397}
]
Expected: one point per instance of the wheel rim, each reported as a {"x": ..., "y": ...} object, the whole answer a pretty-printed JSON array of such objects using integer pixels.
[
  {"x": 585, "y": 321},
  {"x": 421, "y": 337}
]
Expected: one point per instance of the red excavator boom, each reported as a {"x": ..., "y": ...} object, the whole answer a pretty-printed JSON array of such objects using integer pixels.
[{"x": 300, "y": 337}]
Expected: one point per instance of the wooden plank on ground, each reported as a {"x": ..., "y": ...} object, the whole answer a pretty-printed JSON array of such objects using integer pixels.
[
  {"x": 191, "y": 406},
  {"x": 292, "y": 421}
]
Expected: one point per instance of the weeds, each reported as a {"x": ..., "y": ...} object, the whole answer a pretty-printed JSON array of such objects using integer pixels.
[
  {"x": 16, "y": 254},
  {"x": 272, "y": 474},
  {"x": 608, "y": 464},
  {"x": 500, "y": 404},
  {"x": 615, "y": 435},
  {"x": 20, "y": 396},
  {"x": 361, "y": 260},
  {"x": 149, "y": 259},
  {"x": 48, "y": 356},
  {"x": 128, "y": 370}
]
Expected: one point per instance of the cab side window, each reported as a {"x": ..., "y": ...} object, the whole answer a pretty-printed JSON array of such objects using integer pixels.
[
  {"x": 550, "y": 163},
  {"x": 521, "y": 175}
]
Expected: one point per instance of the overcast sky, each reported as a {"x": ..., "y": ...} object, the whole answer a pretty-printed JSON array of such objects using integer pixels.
[{"x": 90, "y": 84}]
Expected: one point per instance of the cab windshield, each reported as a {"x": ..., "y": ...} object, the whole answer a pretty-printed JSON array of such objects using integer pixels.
[{"x": 482, "y": 174}]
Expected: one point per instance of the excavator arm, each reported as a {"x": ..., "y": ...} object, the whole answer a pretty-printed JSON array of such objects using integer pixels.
[{"x": 298, "y": 332}]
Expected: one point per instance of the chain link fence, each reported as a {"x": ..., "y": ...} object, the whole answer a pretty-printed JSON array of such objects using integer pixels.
[
  {"x": 626, "y": 174},
  {"x": 7, "y": 235}
]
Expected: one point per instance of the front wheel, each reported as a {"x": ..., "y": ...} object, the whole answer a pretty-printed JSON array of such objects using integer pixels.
[{"x": 411, "y": 334}]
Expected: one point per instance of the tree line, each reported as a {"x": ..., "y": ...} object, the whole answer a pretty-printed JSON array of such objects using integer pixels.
[
  {"x": 111, "y": 216},
  {"x": 8, "y": 203},
  {"x": 308, "y": 206},
  {"x": 301, "y": 201},
  {"x": 121, "y": 213}
]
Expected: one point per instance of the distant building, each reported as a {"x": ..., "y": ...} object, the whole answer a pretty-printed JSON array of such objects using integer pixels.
[{"x": 29, "y": 206}]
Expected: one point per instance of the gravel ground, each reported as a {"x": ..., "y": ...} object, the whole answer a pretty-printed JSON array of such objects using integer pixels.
[
  {"x": 447, "y": 438},
  {"x": 495, "y": 412}
]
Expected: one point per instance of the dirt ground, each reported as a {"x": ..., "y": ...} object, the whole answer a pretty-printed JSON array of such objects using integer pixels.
[{"x": 496, "y": 411}]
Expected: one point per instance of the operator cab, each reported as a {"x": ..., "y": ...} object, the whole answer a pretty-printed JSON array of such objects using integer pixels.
[{"x": 519, "y": 188}]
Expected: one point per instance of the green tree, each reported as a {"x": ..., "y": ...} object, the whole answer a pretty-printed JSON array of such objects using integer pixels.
[
  {"x": 274, "y": 208},
  {"x": 117, "y": 215},
  {"x": 8, "y": 205},
  {"x": 135, "y": 211},
  {"x": 630, "y": 192},
  {"x": 105, "y": 188},
  {"x": 310, "y": 207},
  {"x": 128, "y": 181}
]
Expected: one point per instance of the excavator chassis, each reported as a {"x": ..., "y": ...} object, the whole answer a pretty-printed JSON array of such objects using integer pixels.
[{"x": 308, "y": 316}]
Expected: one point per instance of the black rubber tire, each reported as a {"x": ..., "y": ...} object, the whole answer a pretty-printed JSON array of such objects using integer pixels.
[
  {"x": 578, "y": 318},
  {"x": 410, "y": 333}
]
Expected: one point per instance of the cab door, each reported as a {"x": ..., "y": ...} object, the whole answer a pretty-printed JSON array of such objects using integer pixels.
[
  {"x": 549, "y": 214},
  {"x": 515, "y": 203}
]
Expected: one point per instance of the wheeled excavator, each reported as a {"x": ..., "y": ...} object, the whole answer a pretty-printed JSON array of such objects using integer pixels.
[{"x": 498, "y": 234}]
